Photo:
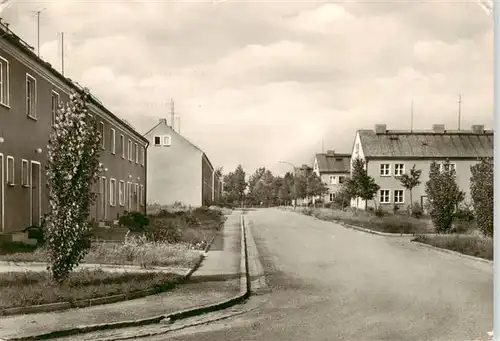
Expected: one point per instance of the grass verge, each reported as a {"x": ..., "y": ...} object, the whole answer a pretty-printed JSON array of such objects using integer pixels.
[
  {"x": 390, "y": 223},
  {"x": 19, "y": 289},
  {"x": 132, "y": 252},
  {"x": 472, "y": 245}
]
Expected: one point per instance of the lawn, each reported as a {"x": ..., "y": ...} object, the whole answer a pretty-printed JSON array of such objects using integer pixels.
[
  {"x": 472, "y": 245},
  {"x": 172, "y": 238},
  {"x": 389, "y": 223},
  {"x": 32, "y": 288},
  {"x": 145, "y": 254}
]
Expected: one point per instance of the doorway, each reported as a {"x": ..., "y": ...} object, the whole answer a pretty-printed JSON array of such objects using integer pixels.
[
  {"x": 102, "y": 199},
  {"x": 35, "y": 193},
  {"x": 2, "y": 194}
]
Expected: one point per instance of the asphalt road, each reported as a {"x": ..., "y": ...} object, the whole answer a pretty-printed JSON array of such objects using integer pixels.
[{"x": 332, "y": 283}]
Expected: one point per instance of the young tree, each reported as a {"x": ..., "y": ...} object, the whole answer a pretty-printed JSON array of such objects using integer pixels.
[
  {"x": 443, "y": 196},
  {"x": 72, "y": 170},
  {"x": 235, "y": 185},
  {"x": 410, "y": 181},
  {"x": 360, "y": 184},
  {"x": 254, "y": 191},
  {"x": 481, "y": 188},
  {"x": 315, "y": 187}
]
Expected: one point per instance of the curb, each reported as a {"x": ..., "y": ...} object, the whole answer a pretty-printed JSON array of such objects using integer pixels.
[
  {"x": 50, "y": 307},
  {"x": 456, "y": 253},
  {"x": 91, "y": 266},
  {"x": 242, "y": 296},
  {"x": 363, "y": 229}
]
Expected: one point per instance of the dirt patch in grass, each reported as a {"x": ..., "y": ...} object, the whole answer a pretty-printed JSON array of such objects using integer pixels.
[
  {"x": 472, "y": 245},
  {"x": 19, "y": 289},
  {"x": 132, "y": 252},
  {"x": 390, "y": 223}
]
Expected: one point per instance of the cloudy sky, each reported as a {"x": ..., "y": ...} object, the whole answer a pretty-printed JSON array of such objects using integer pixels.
[{"x": 258, "y": 81}]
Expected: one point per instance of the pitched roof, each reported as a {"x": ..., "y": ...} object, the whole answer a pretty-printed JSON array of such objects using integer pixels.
[
  {"x": 333, "y": 163},
  {"x": 426, "y": 144},
  {"x": 182, "y": 137},
  {"x": 14, "y": 39}
]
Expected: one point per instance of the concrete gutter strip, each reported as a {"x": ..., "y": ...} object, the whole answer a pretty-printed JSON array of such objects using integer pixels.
[
  {"x": 456, "y": 253},
  {"x": 242, "y": 296}
]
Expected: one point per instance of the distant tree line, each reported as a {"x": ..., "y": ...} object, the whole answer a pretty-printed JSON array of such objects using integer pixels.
[{"x": 263, "y": 188}]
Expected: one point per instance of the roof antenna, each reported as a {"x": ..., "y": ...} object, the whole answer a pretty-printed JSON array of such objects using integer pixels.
[{"x": 411, "y": 118}]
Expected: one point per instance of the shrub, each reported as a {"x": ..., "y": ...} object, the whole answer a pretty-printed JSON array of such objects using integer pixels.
[
  {"x": 134, "y": 221},
  {"x": 444, "y": 196},
  {"x": 307, "y": 211},
  {"x": 379, "y": 212},
  {"x": 481, "y": 187},
  {"x": 165, "y": 230},
  {"x": 37, "y": 232},
  {"x": 416, "y": 210}
]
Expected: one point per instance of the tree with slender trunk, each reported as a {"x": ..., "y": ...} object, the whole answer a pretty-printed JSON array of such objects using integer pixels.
[{"x": 409, "y": 182}]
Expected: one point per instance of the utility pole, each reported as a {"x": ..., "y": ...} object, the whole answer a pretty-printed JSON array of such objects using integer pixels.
[
  {"x": 172, "y": 113},
  {"x": 37, "y": 13},
  {"x": 459, "y": 109},
  {"x": 178, "y": 124},
  {"x": 322, "y": 147},
  {"x": 62, "y": 53},
  {"x": 411, "y": 117}
]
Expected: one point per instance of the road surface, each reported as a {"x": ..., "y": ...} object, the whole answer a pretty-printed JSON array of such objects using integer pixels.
[{"x": 332, "y": 283}]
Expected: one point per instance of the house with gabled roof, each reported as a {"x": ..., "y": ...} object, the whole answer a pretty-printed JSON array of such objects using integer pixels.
[
  {"x": 391, "y": 153},
  {"x": 332, "y": 168},
  {"x": 178, "y": 170}
]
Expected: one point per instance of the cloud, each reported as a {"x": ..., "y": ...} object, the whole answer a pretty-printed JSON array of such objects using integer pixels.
[{"x": 257, "y": 82}]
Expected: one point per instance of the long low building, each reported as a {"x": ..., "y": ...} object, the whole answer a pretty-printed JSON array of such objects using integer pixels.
[
  {"x": 391, "y": 153},
  {"x": 30, "y": 92}
]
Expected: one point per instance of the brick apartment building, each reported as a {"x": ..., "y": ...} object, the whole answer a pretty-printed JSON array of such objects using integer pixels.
[{"x": 30, "y": 92}]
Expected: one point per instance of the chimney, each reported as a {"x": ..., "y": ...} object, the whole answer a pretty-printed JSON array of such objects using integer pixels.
[
  {"x": 477, "y": 129},
  {"x": 330, "y": 152},
  {"x": 438, "y": 128},
  {"x": 380, "y": 128},
  {"x": 163, "y": 120}
]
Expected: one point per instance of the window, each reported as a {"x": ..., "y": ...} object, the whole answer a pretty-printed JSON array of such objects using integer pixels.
[
  {"x": 122, "y": 144},
  {"x": 141, "y": 195},
  {"x": 385, "y": 196},
  {"x": 166, "y": 140},
  {"x": 129, "y": 150},
  {"x": 399, "y": 169},
  {"x": 143, "y": 156},
  {"x": 121, "y": 193},
  {"x": 112, "y": 140},
  {"x": 30, "y": 96},
  {"x": 447, "y": 167},
  {"x": 333, "y": 180},
  {"x": 101, "y": 131},
  {"x": 136, "y": 148},
  {"x": 341, "y": 179},
  {"x": 332, "y": 196},
  {"x": 129, "y": 191},
  {"x": 399, "y": 197},
  {"x": 157, "y": 140},
  {"x": 4, "y": 82},
  {"x": 112, "y": 192},
  {"x": 10, "y": 170},
  {"x": 25, "y": 173},
  {"x": 55, "y": 105},
  {"x": 357, "y": 148},
  {"x": 385, "y": 169}
]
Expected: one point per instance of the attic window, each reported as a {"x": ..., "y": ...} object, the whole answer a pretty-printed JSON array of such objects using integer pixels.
[
  {"x": 338, "y": 159},
  {"x": 424, "y": 143},
  {"x": 166, "y": 140},
  {"x": 157, "y": 140},
  {"x": 394, "y": 137}
]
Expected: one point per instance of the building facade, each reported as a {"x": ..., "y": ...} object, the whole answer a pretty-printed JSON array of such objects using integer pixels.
[
  {"x": 390, "y": 153},
  {"x": 332, "y": 169},
  {"x": 30, "y": 92},
  {"x": 181, "y": 172}
]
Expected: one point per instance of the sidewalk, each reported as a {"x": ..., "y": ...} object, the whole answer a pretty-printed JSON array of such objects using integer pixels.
[{"x": 208, "y": 285}]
